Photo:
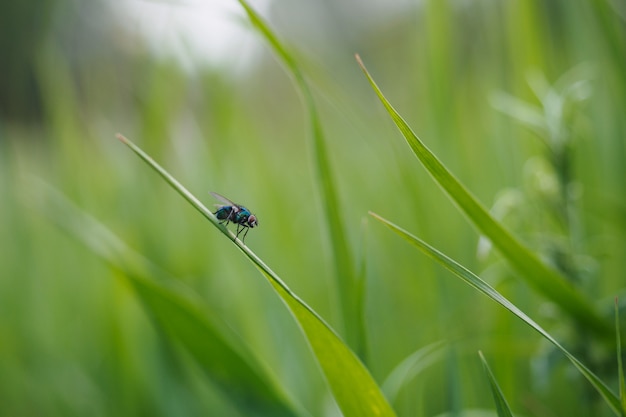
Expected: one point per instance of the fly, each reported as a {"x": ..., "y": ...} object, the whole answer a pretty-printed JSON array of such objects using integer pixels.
[{"x": 238, "y": 214}]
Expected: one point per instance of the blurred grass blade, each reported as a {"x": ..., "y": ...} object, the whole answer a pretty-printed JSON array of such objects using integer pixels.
[
  {"x": 620, "y": 366},
  {"x": 182, "y": 315},
  {"x": 410, "y": 367},
  {"x": 502, "y": 406},
  {"x": 543, "y": 278},
  {"x": 336, "y": 228},
  {"x": 528, "y": 115},
  {"x": 360, "y": 289},
  {"x": 480, "y": 285},
  {"x": 354, "y": 389}
]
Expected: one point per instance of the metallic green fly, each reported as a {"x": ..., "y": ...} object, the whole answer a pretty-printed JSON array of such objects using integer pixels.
[{"x": 236, "y": 213}]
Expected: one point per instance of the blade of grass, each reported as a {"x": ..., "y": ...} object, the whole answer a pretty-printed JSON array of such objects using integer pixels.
[
  {"x": 502, "y": 407},
  {"x": 620, "y": 366},
  {"x": 360, "y": 288},
  {"x": 182, "y": 315},
  {"x": 354, "y": 389},
  {"x": 410, "y": 367},
  {"x": 325, "y": 180},
  {"x": 543, "y": 278},
  {"x": 474, "y": 281}
]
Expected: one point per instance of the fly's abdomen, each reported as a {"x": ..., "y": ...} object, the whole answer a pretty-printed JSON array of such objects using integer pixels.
[{"x": 223, "y": 213}]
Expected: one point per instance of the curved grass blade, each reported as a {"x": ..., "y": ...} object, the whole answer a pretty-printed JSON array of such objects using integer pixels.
[
  {"x": 181, "y": 314},
  {"x": 543, "y": 278},
  {"x": 502, "y": 407},
  {"x": 474, "y": 281},
  {"x": 336, "y": 228},
  {"x": 354, "y": 389},
  {"x": 410, "y": 367}
]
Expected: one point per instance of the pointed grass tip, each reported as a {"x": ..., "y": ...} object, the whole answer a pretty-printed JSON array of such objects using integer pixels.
[
  {"x": 359, "y": 61},
  {"x": 121, "y": 137}
]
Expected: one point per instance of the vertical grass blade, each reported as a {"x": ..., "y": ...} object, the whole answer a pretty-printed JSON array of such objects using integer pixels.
[
  {"x": 543, "y": 278},
  {"x": 336, "y": 229},
  {"x": 620, "y": 365},
  {"x": 353, "y": 387},
  {"x": 180, "y": 313},
  {"x": 474, "y": 281},
  {"x": 502, "y": 407}
]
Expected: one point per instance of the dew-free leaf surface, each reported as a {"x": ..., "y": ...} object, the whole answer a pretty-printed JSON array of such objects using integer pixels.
[
  {"x": 474, "y": 281},
  {"x": 353, "y": 387},
  {"x": 537, "y": 274},
  {"x": 184, "y": 318},
  {"x": 502, "y": 407}
]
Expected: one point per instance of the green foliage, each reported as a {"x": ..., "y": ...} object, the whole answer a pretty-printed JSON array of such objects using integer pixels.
[
  {"x": 179, "y": 313},
  {"x": 350, "y": 297},
  {"x": 501, "y": 405},
  {"x": 410, "y": 368},
  {"x": 620, "y": 367},
  {"x": 480, "y": 285},
  {"x": 523, "y": 101},
  {"x": 539, "y": 275},
  {"x": 355, "y": 391}
]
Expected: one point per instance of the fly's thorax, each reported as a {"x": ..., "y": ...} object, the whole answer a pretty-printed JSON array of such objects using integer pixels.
[{"x": 242, "y": 215}]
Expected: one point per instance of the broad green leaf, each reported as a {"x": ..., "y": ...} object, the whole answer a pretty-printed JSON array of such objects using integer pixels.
[
  {"x": 502, "y": 406},
  {"x": 326, "y": 182},
  {"x": 181, "y": 314},
  {"x": 354, "y": 389},
  {"x": 410, "y": 367},
  {"x": 620, "y": 366},
  {"x": 540, "y": 276},
  {"x": 474, "y": 281}
]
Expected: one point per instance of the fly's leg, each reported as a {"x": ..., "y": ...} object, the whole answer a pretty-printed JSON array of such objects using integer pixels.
[{"x": 240, "y": 228}]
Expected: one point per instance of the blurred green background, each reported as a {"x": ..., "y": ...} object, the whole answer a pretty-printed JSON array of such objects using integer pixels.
[{"x": 74, "y": 340}]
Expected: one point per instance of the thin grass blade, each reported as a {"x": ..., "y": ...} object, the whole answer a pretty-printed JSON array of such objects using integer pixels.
[
  {"x": 543, "y": 278},
  {"x": 353, "y": 387},
  {"x": 474, "y": 281},
  {"x": 502, "y": 407},
  {"x": 326, "y": 181},
  {"x": 410, "y": 367},
  {"x": 180, "y": 313},
  {"x": 620, "y": 366}
]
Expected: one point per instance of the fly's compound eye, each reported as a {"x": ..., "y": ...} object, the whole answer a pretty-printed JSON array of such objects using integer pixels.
[{"x": 252, "y": 221}]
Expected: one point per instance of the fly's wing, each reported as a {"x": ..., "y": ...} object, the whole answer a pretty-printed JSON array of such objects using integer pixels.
[{"x": 224, "y": 200}]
